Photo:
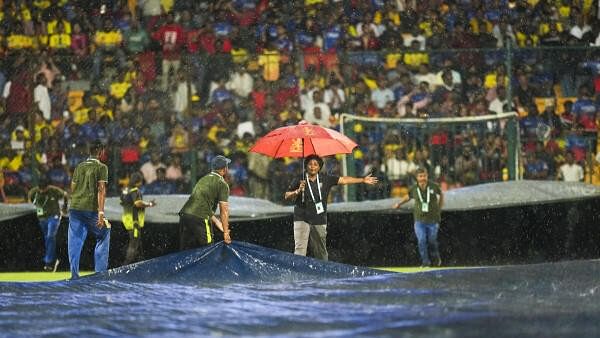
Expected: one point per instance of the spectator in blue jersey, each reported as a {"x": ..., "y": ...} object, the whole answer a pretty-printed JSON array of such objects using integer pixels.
[
  {"x": 283, "y": 43},
  {"x": 584, "y": 110},
  {"x": 530, "y": 123},
  {"x": 332, "y": 35},
  {"x": 577, "y": 143},
  {"x": 58, "y": 175},
  {"x": 160, "y": 186},
  {"x": 535, "y": 167},
  {"x": 92, "y": 130},
  {"x": 219, "y": 93}
]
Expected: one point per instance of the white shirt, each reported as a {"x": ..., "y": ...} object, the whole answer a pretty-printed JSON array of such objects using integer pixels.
[
  {"x": 382, "y": 96},
  {"x": 6, "y": 89},
  {"x": 181, "y": 102},
  {"x": 151, "y": 7},
  {"x": 396, "y": 169},
  {"x": 456, "y": 78},
  {"x": 306, "y": 99},
  {"x": 332, "y": 100},
  {"x": 571, "y": 172},
  {"x": 148, "y": 170},
  {"x": 377, "y": 29},
  {"x": 430, "y": 78},
  {"x": 408, "y": 39},
  {"x": 578, "y": 32},
  {"x": 310, "y": 117},
  {"x": 42, "y": 98},
  {"x": 497, "y": 106},
  {"x": 241, "y": 84}
]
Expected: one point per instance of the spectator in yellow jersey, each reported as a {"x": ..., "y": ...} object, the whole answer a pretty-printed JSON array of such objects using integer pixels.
[
  {"x": 270, "y": 59},
  {"x": 17, "y": 39},
  {"x": 60, "y": 41},
  {"x": 108, "y": 47},
  {"x": 58, "y": 20}
]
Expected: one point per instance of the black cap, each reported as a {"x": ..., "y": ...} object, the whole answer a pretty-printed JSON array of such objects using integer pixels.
[
  {"x": 96, "y": 146},
  {"x": 219, "y": 162}
]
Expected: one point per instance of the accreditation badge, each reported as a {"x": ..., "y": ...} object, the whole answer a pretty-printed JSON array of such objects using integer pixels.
[
  {"x": 39, "y": 211},
  {"x": 320, "y": 208},
  {"x": 425, "y": 207}
]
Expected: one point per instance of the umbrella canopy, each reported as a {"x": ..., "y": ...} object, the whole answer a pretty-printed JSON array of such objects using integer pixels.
[{"x": 302, "y": 140}]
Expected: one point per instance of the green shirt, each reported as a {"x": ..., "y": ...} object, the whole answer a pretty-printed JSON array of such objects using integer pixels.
[
  {"x": 433, "y": 215},
  {"x": 208, "y": 192},
  {"x": 46, "y": 202},
  {"x": 136, "y": 41},
  {"x": 85, "y": 178}
]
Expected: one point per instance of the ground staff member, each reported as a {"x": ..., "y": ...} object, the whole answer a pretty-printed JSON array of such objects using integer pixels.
[
  {"x": 88, "y": 188},
  {"x": 46, "y": 200},
  {"x": 429, "y": 200},
  {"x": 195, "y": 216},
  {"x": 310, "y": 208},
  {"x": 133, "y": 217}
]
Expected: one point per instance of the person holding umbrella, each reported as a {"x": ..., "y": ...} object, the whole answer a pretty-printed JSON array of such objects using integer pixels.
[{"x": 310, "y": 205}]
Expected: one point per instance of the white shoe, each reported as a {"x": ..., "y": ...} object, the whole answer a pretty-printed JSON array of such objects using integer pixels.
[{"x": 56, "y": 265}]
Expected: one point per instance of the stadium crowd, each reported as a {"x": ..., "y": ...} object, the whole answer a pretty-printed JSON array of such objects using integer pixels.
[{"x": 169, "y": 82}]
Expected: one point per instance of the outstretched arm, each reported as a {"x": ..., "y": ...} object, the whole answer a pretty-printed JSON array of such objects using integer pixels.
[{"x": 355, "y": 180}]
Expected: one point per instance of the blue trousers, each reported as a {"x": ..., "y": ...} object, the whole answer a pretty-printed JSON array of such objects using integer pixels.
[
  {"x": 427, "y": 239},
  {"x": 80, "y": 223},
  {"x": 49, "y": 227}
]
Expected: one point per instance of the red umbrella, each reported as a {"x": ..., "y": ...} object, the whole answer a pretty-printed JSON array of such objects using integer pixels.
[{"x": 302, "y": 140}]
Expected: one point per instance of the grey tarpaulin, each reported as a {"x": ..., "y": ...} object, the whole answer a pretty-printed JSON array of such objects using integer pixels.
[{"x": 483, "y": 196}]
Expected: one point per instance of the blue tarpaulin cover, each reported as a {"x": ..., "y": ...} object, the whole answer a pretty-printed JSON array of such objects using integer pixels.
[
  {"x": 238, "y": 262},
  {"x": 243, "y": 290}
]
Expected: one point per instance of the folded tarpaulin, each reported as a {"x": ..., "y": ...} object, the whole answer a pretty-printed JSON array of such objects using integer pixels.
[{"x": 233, "y": 263}]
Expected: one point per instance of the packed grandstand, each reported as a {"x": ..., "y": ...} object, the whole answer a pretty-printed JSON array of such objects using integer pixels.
[{"x": 169, "y": 84}]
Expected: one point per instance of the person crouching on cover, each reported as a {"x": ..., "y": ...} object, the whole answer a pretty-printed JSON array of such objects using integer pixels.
[{"x": 46, "y": 199}]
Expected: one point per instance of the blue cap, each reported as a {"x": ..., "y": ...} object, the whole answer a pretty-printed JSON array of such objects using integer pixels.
[{"x": 219, "y": 162}]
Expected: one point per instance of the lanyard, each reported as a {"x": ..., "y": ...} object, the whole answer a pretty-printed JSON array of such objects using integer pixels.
[
  {"x": 36, "y": 197},
  {"x": 421, "y": 196},
  {"x": 318, "y": 187}
]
